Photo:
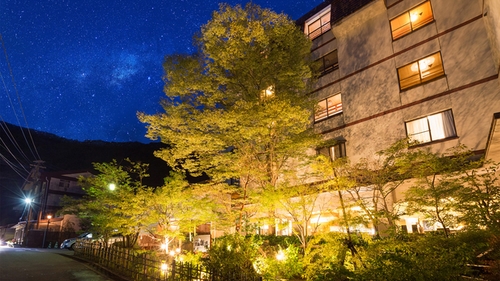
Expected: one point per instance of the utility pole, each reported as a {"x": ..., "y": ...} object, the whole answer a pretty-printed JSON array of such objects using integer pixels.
[{"x": 31, "y": 186}]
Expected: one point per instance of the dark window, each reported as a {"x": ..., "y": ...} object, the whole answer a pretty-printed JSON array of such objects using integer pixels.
[
  {"x": 333, "y": 152},
  {"x": 329, "y": 62}
]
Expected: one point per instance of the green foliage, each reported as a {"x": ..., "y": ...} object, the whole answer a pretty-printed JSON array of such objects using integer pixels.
[
  {"x": 331, "y": 256},
  {"x": 278, "y": 263},
  {"x": 239, "y": 107},
  {"x": 428, "y": 257},
  {"x": 233, "y": 253},
  {"x": 175, "y": 208},
  {"x": 437, "y": 184},
  {"x": 120, "y": 211},
  {"x": 191, "y": 258},
  {"x": 478, "y": 199},
  {"x": 274, "y": 241}
]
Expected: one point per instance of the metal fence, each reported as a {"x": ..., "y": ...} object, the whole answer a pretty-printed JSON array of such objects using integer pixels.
[{"x": 139, "y": 266}]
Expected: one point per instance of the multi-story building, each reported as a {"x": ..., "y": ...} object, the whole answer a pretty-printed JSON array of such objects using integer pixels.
[{"x": 391, "y": 69}]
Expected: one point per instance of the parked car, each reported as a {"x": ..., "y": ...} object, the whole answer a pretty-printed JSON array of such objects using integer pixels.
[{"x": 69, "y": 243}]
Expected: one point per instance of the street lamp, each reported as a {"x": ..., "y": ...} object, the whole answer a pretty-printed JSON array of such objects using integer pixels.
[
  {"x": 28, "y": 202},
  {"x": 45, "y": 233}
]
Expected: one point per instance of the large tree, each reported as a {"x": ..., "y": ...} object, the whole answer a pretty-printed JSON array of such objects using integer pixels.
[
  {"x": 115, "y": 201},
  {"x": 238, "y": 108}
]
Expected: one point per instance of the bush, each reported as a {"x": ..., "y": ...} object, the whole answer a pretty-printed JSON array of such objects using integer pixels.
[
  {"x": 276, "y": 263},
  {"x": 427, "y": 257},
  {"x": 233, "y": 254},
  {"x": 328, "y": 257}
]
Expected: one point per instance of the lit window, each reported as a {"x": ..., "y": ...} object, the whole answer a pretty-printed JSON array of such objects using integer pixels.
[
  {"x": 328, "y": 107},
  {"x": 431, "y": 128},
  {"x": 329, "y": 62},
  {"x": 411, "y": 20},
  {"x": 318, "y": 25},
  {"x": 333, "y": 152},
  {"x": 267, "y": 93},
  {"x": 420, "y": 71}
]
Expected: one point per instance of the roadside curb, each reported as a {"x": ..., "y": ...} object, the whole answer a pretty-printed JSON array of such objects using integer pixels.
[{"x": 99, "y": 269}]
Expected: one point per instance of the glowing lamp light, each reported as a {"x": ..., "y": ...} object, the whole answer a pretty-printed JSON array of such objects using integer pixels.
[
  {"x": 28, "y": 200},
  {"x": 178, "y": 250},
  {"x": 49, "y": 217},
  {"x": 424, "y": 64},
  {"x": 171, "y": 253},
  {"x": 163, "y": 246},
  {"x": 415, "y": 16},
  {"x": 112, "y": 186},
  {"x": 414, "y": 67},
  {"x": 164, "y": 266},
  {"x": 280, "y": 255},
  {"x": 267, "y": 92}
]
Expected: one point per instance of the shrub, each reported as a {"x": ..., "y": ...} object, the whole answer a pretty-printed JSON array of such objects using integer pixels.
[
  {"x": 233, "y": 254},
  {"x": 276, "y": 263}
]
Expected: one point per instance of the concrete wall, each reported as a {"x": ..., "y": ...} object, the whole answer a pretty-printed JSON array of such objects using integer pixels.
[{"x": 374, "y": 107}]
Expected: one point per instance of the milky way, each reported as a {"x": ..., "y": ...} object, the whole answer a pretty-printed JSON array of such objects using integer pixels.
[{"x": 82, "y": 69}]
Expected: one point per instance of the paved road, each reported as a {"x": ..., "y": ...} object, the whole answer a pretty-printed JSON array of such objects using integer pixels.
[{"x": 26, "y": 264}]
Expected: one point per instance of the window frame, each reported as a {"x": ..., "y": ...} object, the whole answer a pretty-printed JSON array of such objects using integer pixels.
[
  {"x": 338, "y": 108},
  {"x": 325, "y": 70},
  {"x": 429, "y": 128},
  {"x": 420, "y": 72},
  {"x": 411, "y": 27},
  {"x": 332, "y": 148},
  {"x": 323, "y": 27}
]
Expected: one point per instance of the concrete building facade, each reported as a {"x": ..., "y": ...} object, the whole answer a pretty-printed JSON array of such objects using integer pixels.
[{"x": 392, "y": 69}]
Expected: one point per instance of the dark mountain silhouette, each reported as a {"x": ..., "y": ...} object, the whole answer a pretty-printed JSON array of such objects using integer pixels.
[{"x": 61, "y": 154}]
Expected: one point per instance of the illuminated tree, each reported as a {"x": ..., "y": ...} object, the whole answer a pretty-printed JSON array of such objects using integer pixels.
[
  {"x": 434, "y": 193},
  {"x": 377, "y": 180},
  {"x": 176, "y": 209},
  {"x": 478, "y": 200},
  {"x": 239, "y": 108},
  {"x": 115, "y": 201}
]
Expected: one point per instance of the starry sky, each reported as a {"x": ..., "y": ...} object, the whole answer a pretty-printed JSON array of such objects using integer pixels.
[{"x": 82, "y": 69}]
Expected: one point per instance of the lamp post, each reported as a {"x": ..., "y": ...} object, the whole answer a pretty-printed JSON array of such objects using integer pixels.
[
  {"x": 45, "y": 233},
  {"x": 27, "y": 226}
]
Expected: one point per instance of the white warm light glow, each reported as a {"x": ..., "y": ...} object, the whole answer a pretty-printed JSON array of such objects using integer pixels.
[
  {"x": 164, "y": 266},
  {"x": 414, "y": 67},
  {"x": 112, "y": 186},
  {"x": 411, "y": 221},
  {"x": 414, "y": 17},
  {"x": 49, "y": 217},
  {"x": 280, "y": 255},
  {"x": 28, "y": 200},
  {"x": 426, "y": 63},
  {"x": 268, "y": 92}
]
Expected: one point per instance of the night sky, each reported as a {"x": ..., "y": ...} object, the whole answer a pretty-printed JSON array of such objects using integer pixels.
[{"x": 82, "y": 69}]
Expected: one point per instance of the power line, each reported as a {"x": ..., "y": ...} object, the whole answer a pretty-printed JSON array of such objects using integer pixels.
[{"x": 34, "y": 150}]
